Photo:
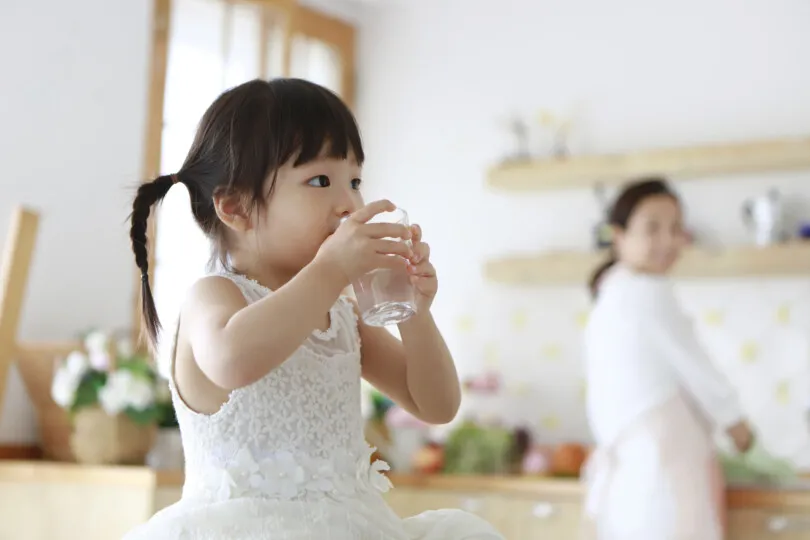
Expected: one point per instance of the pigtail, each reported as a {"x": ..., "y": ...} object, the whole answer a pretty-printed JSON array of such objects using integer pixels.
[
  {"x": 599, "y": 273},
  {"x": 149, "y": 194}
]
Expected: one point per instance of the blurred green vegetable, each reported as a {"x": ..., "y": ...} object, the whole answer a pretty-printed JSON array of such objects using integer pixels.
[
  {"x": 473, "y": 449},
  {"x": 756, "y": 466}
]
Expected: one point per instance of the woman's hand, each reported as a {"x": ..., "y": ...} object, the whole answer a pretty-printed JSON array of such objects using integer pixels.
[{"x": 742, "y": 436}]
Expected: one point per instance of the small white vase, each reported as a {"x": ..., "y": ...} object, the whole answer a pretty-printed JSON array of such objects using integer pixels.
[
  {"x": 405, "y": 444},
  {"x": 167, "y": 452}
]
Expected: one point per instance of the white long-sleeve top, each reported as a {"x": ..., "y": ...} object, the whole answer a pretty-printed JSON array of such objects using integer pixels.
[{"x": 640, "y": 350}]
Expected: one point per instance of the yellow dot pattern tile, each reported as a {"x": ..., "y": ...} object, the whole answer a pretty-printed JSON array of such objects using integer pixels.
[
  {"x": 491, "y": 356},
  {"x": 535, "y": 344},
  {"x": 749, "y": 352},
  {"x": 550, "y": 422},
  {"x": 713, "y": 317},
  {"x": 551, "y": 351},
  {"x": 465, "y": 324},
  {"x": 782, "y": 393},
  {"x": 783, "y": 313},
  {"x": 519, "y": 319},
  {"x": 521, "y": 388}
]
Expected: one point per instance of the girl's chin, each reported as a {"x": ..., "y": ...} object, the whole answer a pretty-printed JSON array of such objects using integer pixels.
[{"x": 668, "y": 264}]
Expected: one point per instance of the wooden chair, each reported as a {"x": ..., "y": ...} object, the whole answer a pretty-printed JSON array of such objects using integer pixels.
[
  {"x": 35, "y": 361},
  {"x": 14, "y": 269}
]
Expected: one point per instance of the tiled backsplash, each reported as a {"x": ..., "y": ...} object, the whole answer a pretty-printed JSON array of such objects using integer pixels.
[{"x": 757, "y": 331}]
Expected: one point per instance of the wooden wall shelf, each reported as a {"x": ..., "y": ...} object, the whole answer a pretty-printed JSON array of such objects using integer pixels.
[
  {"x": 571, "y": 268},
  {"x": 686, "y": 163}
]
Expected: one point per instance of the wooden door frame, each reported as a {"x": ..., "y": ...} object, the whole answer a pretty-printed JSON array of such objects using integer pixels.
[
  {"x": 298, "y": 20},
  {"x": 332, "y": 31}
]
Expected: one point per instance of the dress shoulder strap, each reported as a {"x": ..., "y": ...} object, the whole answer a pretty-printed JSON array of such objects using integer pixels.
[
  {"x": 250, "y": 289},
  {"x": 349, "y": 321}
]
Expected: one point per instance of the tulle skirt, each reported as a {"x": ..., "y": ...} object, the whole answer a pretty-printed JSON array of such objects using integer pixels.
[{"x": 361, "y": 518}]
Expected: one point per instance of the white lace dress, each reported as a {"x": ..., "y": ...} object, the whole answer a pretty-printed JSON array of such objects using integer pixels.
[{"x": 285, "y": 457}]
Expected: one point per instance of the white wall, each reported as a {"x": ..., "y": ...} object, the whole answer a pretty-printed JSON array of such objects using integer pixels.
[
  {"x": 438, "y": 80},
  {"x": 72, "y": 111}
]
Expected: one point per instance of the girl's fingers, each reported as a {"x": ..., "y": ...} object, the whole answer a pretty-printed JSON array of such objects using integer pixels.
[
  {"x": 424, "y": 269},
  {"x": 416, "y": 231},
  {"x": 392, "y": 247},
  {"x": 421, "y": 252}
]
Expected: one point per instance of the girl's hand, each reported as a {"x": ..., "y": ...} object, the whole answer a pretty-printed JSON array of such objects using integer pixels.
[
  {"x": 358, "y": 247},
  {"x": 742, "y": 436},
  {"x": 423, "y": 275}
]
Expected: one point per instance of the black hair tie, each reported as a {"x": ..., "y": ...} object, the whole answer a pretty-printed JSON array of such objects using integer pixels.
[{"x": 144, "y": 277}]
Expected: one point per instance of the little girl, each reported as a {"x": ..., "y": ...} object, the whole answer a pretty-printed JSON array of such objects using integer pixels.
[
  {"x": 652, "y": 392},
  {"x": 268, "y": 353}
]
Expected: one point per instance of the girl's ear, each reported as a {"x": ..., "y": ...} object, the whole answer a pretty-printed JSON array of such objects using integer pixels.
[{"x": 231, "y": 211}]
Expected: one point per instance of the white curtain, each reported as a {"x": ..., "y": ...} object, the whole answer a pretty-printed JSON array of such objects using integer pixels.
[
  {"x": 316, "y": 61},
  {"x": 213, "y": 45}
]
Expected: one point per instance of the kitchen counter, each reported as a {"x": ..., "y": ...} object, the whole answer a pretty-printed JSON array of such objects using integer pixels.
[
  {"x": 794, "y": 493},
  {"x": 522, "y": 507},
  {"x": 797, "y": 492}
]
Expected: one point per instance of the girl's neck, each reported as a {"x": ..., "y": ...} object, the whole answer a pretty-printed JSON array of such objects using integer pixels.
[
  {"x": 642, "y": 271},
  {"x": 265, "y": 275}
]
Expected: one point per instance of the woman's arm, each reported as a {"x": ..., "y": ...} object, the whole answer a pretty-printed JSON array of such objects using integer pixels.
[{"x": 678, "y": 343}]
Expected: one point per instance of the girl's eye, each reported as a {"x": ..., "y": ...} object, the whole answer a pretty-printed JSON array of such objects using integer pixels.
[
  {"x": 319, "y": 181},
  {"x": 356, "y": 183}
]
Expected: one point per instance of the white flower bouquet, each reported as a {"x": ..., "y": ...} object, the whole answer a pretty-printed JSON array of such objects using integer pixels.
[
  {"x": 114, "y": 397},
  {"x": 109, "y": 374}
]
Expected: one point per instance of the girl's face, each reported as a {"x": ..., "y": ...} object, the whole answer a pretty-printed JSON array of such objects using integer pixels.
[
  {"x": 654, "y": 236},
  {"x": 303, "y": 210}
]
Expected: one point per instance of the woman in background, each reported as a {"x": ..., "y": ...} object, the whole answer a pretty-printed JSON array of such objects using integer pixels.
[{"x": 653, "y": 395}]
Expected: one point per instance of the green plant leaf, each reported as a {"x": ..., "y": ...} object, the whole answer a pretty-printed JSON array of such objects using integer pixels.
[
  {"x": 144, "y": 417},
  {"x": 138, "y": 366},
  {"x": 89, "y": 387},
  {"x": 168, "y": 417}
]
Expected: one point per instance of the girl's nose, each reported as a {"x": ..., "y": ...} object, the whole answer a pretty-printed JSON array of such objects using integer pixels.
[{"x": 347, "y": 205}]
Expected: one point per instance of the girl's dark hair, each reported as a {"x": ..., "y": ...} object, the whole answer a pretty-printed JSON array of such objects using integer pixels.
[
  {"x": 620, "y": 213},
  {"x": 244, "y": 137}
]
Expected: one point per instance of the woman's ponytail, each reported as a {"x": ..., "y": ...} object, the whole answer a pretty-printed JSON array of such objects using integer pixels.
[
  {"x": 598, "y": 274},
  {"x": 149, "y": 194}
]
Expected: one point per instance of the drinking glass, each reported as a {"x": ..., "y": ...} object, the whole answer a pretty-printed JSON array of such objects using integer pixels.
[{"x": 386, "y": 296}]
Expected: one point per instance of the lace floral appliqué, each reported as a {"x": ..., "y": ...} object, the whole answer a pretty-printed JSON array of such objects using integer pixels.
[{"x": 285, "y": 476}]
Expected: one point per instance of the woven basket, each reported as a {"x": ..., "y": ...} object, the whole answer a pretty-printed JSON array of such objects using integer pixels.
[
  {"x": 93, "y": 437},
  {"x": 36, "y": 367},
  {"x": 100, "y": 439}
]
